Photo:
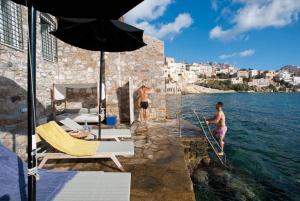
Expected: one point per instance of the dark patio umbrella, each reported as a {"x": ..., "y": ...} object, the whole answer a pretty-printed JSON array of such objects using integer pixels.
[
  {"x": 99, "y": 35},
  {"x": 112, "y": 9}
]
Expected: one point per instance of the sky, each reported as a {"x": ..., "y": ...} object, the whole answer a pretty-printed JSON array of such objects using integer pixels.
[{"x": 259, "y": 34}]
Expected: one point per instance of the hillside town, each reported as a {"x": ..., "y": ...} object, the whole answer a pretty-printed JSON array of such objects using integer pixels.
[{"x": 226, "y": 77}]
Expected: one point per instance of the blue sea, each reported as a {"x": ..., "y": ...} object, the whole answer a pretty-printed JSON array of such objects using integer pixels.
[{"x": 262, "y": 145}]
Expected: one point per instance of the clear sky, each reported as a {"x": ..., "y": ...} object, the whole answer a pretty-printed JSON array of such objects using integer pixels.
[{"x": 261, "y": 34}]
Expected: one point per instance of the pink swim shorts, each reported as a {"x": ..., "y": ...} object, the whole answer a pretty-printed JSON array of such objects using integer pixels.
[{"x": 220, "y": 131}]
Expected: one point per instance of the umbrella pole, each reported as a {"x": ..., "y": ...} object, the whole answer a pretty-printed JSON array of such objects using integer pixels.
[
  {"x": 31, "y": 103},
  {"x": 102, "y": 63}
]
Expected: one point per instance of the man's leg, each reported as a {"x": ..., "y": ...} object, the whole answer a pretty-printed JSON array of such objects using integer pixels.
[
  {"x": 146, "y": 114},
  {"x": 140, "y": 114},
  {"x": 222, "y": 145}
]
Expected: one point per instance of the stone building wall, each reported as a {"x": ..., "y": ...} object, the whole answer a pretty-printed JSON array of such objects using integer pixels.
[
  {"x": 13, "y": 89},
  {"x": 73, "y": 65},
  {"x": 143, "y": 67}
]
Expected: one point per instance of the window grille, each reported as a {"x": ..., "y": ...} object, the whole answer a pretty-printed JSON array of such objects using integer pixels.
[
  {"x": 49, "y": 46},
  {"x": 11, "y": 24}
]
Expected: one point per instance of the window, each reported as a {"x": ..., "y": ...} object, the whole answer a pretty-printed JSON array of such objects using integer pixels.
[
  {"x": 49, "y": 47},
  {"x": 11, "y": 24}
]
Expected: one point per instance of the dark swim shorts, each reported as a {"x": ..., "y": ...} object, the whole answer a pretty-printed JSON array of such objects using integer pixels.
[{"x": 144, "y": 104}]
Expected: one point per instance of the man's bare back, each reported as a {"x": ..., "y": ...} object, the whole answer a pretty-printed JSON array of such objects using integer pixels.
[{"x": 143, "y": 93}]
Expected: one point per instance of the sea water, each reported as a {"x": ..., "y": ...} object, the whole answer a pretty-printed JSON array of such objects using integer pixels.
[{"x": 262, "y": 145}]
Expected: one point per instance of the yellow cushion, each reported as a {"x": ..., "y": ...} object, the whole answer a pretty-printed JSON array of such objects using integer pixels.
[{"x": 56, "y": 136}]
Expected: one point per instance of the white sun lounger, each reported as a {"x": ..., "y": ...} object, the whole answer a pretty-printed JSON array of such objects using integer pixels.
[
  {"x": 79, "y": 117},
  {"x": 106, "y": 149},
  {"x": 60, "y": 140},
  {"x": 96, "y": 186},
  {"x": 105, "y": 133}
]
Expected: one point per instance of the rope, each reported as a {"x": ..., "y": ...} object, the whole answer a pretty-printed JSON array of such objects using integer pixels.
[{"x": 33, "y": 172}]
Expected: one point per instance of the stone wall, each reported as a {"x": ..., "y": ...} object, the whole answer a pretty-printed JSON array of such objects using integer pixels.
[
  {"x": 13, "y": 89},
  {"x": 143, "y": 67}
]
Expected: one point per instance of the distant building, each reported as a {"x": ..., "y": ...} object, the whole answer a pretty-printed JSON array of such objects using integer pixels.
[
  {"x": 232, "y": 70},
  {"x": 269, "y": 74},
  {"x": 296, "y": 80},
  {"x": 253, "y": 73},
  {"x": 189, "y": 77},
  {"x": 169, "y": 60},
  {"x": 222, "y": 71},
  {"x": 259, "y": 82},
  {"x": 285, "y": 76},
  {"x": 243, "y": 73},
  {"x": 236, "y": 80},
  {"x": 173, "y": 70},
  {"x": 200, "y": 69}
]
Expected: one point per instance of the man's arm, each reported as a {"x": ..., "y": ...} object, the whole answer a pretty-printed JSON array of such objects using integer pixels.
[{"x": 215, "y": 119}]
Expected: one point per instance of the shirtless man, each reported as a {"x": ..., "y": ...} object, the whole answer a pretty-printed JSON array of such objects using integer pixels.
[
  {"x": 221, "y": 128},
  {"x": 144, "y": 102}
]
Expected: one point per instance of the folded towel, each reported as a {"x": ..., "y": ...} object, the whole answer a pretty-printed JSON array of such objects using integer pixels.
[{"x": 56, "y": 136}]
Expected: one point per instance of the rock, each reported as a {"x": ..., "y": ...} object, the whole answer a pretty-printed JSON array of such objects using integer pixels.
[
  {"x": 221, "y": 177},
  {"x": 200, "y": 177},
  {"x": 241, "y": 189},
  {"x": 206, "y": 161}
]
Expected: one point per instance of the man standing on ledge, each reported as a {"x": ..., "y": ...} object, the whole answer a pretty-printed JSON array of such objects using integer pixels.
[
  {"x": 143, "y": 96},
  {"x": 221, "y": 128}
]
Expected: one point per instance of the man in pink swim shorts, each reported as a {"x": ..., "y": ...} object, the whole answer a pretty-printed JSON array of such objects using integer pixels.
[{"x": 221, "y": 128}]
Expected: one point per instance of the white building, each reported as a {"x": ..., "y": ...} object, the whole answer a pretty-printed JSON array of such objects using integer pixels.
[
  {"x": 253, "y": 73},
  {"x": 222, "y": 70},
  {"x": 260, "y": 82},
  {"x": 200, "y": 69},
  {"x": 189, "y": 77},
  {"x": 269, "y": 74},
  {"x": 296, "y": 80},
  {"x": 232, "y": 70},
  {"x": 243, "y": 73},
  {"x": 285, "y": 76},
  {"x": 236, "y": 80},
  {"x": 169, "y": 60},
  {"x": 173, "y": 70}
]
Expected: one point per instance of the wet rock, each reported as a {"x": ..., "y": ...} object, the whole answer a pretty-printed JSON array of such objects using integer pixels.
[
  {"x": 200, "y": 177},
  {"x": 206, "y": 161},
  {"x": 241, "y": 189}
]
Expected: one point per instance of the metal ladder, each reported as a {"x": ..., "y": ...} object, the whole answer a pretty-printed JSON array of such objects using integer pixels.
[{"x": 210, "y": 138}]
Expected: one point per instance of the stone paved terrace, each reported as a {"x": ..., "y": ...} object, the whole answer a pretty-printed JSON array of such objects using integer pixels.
[{"x": 159, "y": 171}]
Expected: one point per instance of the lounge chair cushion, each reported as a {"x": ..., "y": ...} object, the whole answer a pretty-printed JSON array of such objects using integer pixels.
[
  {"x": 105, "y": 187},
  {"x": 62, "y": 141}
]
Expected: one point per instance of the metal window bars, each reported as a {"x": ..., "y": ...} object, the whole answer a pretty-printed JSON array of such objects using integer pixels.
[
  {"x": 49, "y": 46},
  {"x": 11, "y": 24}
]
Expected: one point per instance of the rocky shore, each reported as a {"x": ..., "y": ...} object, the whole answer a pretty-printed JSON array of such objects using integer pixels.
[
  {"x": 196, "y": 89},
  {"x": 212, "y": 181}
]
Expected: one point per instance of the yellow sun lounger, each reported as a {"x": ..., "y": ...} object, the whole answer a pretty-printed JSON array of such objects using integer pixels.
[{"x": 71, "y": 147}]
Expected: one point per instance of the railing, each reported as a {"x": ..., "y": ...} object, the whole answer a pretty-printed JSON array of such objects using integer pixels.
[
  {"x": 178, "y": 108},
  {"x": 210, "y": 138}
]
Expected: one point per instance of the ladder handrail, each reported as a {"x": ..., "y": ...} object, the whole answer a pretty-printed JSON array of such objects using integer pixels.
[{"x": 216, "y": 153}]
